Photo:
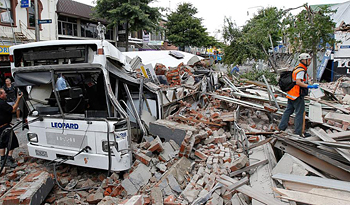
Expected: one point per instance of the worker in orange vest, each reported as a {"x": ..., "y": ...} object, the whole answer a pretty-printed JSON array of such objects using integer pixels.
[{"x": 296, "y": 95}]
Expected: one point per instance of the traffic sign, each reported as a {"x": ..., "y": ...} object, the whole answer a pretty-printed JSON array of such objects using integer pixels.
[
  {"x": 43, "y": 21},
  {"x": 25, "y": 3}
]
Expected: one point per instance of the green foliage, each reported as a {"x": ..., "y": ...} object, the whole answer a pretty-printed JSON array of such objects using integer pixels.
[
  {"x": 252, "y": 41},
  {"x": 184, "y": 29},
  {"x": 256, "y": 75},
  {"x": 309, "y": 29},
  {"x": 137, "y": 13}
]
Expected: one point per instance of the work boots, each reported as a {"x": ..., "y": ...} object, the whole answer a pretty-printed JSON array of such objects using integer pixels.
[{"x": 10, "y": 162}]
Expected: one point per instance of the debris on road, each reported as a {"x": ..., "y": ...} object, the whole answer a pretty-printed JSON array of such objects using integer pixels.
[{"x": 214, "y": 146}]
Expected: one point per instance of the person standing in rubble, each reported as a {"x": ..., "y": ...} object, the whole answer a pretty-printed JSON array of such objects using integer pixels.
[
  {"x": 296, "y": 96},
  {"x": 6, "y": 111},
  {"x": 11, "y": 93}
]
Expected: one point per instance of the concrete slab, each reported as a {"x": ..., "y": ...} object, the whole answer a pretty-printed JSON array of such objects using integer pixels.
[
  {"x": 140, "y": 176},
  {"x": 166, "y": 154},
  {"x": 170, "y": 130},
  {"x": 32, "y": 189}
]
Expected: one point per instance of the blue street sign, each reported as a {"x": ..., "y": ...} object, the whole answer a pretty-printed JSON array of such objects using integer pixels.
[
  {"x": 44, "y": 21},
  {"x": 25, "y": 3}
]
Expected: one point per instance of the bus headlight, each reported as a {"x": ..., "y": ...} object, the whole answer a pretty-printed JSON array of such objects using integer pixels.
[
  {"x": 32, "y": 137},
  {"x": 105, "y": 145}
]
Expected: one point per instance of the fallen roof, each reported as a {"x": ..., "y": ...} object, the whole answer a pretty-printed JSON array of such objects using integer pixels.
[{"x": 162, "y": 57}]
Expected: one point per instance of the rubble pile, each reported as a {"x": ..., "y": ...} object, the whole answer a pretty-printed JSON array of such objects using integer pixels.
[{"x": 218, "y": 149}]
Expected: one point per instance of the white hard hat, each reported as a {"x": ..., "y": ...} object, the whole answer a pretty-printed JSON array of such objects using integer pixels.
[{"x": 304, "y": 56}]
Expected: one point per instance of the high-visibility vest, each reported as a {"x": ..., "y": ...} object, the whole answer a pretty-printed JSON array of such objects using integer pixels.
[{"x": 294, "y": 93}]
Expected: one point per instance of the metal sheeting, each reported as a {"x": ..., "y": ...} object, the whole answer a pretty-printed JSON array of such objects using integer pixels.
[
  {"x": 342, "y": 14},
  {"x": 33, "y": 78},
  {"x": 162, "y": 57},
  {"x": 120, "y": 73}
]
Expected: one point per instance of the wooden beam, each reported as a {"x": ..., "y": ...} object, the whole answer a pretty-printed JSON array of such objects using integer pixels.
[
  {"x": 232, "y": 174},
  {"x": 253, "y": 193},
  {"x": 260, "y": 143},
  {"x": 200, "y": 121},
  {"x": 307, "y": 188},
  {"x": 309, "y": 198},
  {"x": 261, "y": 133},
  {"x": 241, "y": 182},
  {"x": 323, "y": 136},
  {"x": 315, "y": 181},
  {"x": 339, "y": 135},
  {"x": 337, "y": 117},
  {"x": 329, "y": 104},
  {"x": 314, "y": 161}
]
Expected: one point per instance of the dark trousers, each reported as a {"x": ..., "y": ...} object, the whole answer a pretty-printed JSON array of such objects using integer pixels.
[
  {"x": 297, "y": 106},
  {"x": 5, "y": 137}
]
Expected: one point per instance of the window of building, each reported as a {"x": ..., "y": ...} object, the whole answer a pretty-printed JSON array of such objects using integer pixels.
[
  {"x": 109, "y": 34},
  {"x": 67, "y": 26},
  {"x": 157, "y": 36},
  {"x": 7, "y": 11},
  {"x": 31, "y": 14},
  {"x": 89, "y": 30}
]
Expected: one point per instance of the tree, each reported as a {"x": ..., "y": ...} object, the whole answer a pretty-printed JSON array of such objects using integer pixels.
[
  {"x": 310, "y": 31},
  {"x": 253, "y": 40},
  {"x": 237, "y": 50},
  {"x": 184, "y": 29},
  {"x": 136, "y": 14}
]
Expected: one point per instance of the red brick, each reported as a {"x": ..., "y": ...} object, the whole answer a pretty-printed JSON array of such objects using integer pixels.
[
  {"x": 170, "y": 198},
  {"x": 345, "y": 125},
  {"x": 117, "y": 191},
  {"x": 227, "y": 159},
  {"x": 239, "y": 163},
  {"x": 253, "y": 139},
  {"x": 220, "y": 139},
  {"x": 210, "y": 132},
  {"x": 183, "y": 146},
  {"x": 200, "y": 155},
  {"x": 270, "y": 108},
  {"x": 25, "y": 186},
  {"x": 215, "y": 115},
  {"x": 101, "y": 177},
  {"x": 143, "y": 158},
  {"x": 156, "y": 145}
]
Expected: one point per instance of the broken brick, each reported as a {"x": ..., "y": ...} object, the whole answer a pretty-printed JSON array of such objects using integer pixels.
[
  {"x": 253, "y": 139},
  {"x": 37, "y": 184},
  {"x": 200, "y": 155},
  {"x": 94, "y": 198},
  {"x": 143, "y": 158},
  {"x": 239, "y": 163},
  {"x": 270, "y": 108},
  {"x": 156, "y": 145}
]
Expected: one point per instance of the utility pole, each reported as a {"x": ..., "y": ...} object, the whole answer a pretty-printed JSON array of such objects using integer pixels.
[{"x": 37, "y": 29}]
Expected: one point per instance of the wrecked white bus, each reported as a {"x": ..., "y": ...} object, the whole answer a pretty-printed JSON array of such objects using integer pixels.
[{"x": 87, "y": 123}]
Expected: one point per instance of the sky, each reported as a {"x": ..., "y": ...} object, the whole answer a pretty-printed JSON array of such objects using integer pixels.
[{"x": 213, "y": 12}]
